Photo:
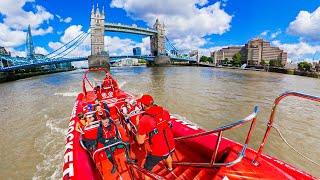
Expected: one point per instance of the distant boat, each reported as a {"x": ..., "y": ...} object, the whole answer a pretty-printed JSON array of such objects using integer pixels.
[{"x": 243, "y": 66}]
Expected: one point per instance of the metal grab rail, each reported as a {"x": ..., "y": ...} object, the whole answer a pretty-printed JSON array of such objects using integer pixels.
[
  {"x": 251, "y": 118},
  {"x": 272, "y": 115},
  {"x": 109, "y": 146}
]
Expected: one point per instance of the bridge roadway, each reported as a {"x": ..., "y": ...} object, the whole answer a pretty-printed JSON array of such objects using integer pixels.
[{"x": 64, "y": 60}]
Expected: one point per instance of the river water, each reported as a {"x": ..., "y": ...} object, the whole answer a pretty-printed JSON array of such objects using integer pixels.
[{"x": 34, "y": 112}]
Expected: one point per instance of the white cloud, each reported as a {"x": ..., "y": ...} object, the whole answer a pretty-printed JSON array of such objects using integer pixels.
[
  {"x": 270, "y": 35},
  {"x": 66, "y": 20},
  {"x": 15, "y": 52},
  {"x": 275, "y": 34},
  {"x": 16, "y": 19},
  {"x": 264, "y": 33},
  {"x": 70, "y": 33},
  {"x": 41, "y": 31},
  {"x": 11, "y": 38},
  {"x": 183, "y": 19},
  {"x": 306, "y": 25},
  {"x": 189, "y": 43},
  {"x": 117, "y": 46},
  {"x": 40, "y": 50},
  {"x": 298, "y": 51},
  {"x": 55, "y": 45}
]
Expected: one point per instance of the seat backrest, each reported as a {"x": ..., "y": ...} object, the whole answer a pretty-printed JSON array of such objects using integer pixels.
[{"x": 91, "y": 131}]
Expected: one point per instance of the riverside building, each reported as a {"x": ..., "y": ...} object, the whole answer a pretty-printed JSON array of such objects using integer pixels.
[
  {"x": 3, "y": 61},
  {"x": 252, "y": 53}
]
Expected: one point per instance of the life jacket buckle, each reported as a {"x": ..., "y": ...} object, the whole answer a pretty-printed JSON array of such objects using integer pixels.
[
  {"x": 170, "y": 125},
  {"x": 155, "y": 131}
]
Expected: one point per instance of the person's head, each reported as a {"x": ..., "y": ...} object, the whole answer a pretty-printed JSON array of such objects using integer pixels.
[
  {"x": 98, "y": 108},
  {"x": 96, "y": 89},
  {"x": 146, "y": 101},
  {"x": 80, "y": 115},
  {"x": 96, "y": 101},
  {"x": 105, "y": 121},
  {"x": 89, "y": 117}
]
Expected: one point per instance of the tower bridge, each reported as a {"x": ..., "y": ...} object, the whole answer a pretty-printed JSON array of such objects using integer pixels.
[
  {"x": 162, "y": 50},
  {"x": 99, "y": 26}
]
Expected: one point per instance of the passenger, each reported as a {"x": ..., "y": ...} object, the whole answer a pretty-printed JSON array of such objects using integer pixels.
[
  {"x": 89, "y": 118},
  {"x": 135, "y": 106},
  {"x": 130, "y": 106},
  {"x": 154, "y": 123},
  {"x": 81, "y": 123},
  {"x": 106, "y": 82},
  {"x": 125, "y": 108},
  {"x": 129, "y": 109},
  {"x": 96, "y": 102},
  {"x": 108, "y": 135},
  {"x": 110, "y": 82},
  {"x": 125, "y": 111},
  {"x": 97, "y": 92},
  {"x": 100, "y": 113}
]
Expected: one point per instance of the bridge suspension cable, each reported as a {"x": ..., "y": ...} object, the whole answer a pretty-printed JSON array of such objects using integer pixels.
[
  {"x": 66, "y": 44},
  {"x": 74, "y": 44},
  {"x": 72, "y": 48},
  {"x": 170, "y": 44}
]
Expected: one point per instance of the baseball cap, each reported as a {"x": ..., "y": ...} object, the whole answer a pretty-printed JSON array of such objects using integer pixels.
[{"x": 146, "y": 100}]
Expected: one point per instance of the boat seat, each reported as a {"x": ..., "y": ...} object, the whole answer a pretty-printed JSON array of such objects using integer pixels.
[
  {"x": 91, "y": 130},
  {"x": 91, "y": 133}
]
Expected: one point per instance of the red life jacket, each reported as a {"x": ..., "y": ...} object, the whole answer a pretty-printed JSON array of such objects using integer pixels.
[
  {"x": 109, "y": 131},
  {"x": 162, "y": 130}
]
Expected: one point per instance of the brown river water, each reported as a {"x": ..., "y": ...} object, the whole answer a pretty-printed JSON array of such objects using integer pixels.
[{"x": 34, "y": 112}]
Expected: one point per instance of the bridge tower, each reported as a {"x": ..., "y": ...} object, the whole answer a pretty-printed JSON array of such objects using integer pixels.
[
  {"x": 158, "y": 44},
  {"x": 29, "y": 45},
  {"x": 99, "y": 57}
]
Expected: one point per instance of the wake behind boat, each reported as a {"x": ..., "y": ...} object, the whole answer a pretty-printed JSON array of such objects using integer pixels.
[{"x": 199, "y": 154}]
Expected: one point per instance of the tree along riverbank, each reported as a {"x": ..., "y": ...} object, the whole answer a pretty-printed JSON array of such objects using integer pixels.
[{"x": 269, "y": 69}]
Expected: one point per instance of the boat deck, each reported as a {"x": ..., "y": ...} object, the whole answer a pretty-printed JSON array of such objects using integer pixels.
[
  {"x": 199, "y": 154},
  {"x": 184, "y": 153}
]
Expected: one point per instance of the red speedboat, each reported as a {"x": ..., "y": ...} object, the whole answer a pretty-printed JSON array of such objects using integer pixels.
[{"x": 199, "y": 154}]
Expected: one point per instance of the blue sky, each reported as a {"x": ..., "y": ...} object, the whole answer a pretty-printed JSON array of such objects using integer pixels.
[{"x": 207, "y": 25}]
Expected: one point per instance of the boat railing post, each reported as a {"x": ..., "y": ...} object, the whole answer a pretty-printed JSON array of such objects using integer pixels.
[
  {"x": 272, "y": 115},
  {"x": 253, "y": 123},
  {"x": 269, "y": 127},
  {"x": 214, "y": 155}
]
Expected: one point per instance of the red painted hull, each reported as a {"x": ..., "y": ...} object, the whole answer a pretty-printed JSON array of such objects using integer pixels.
[{"x": 78, "y": 163}]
